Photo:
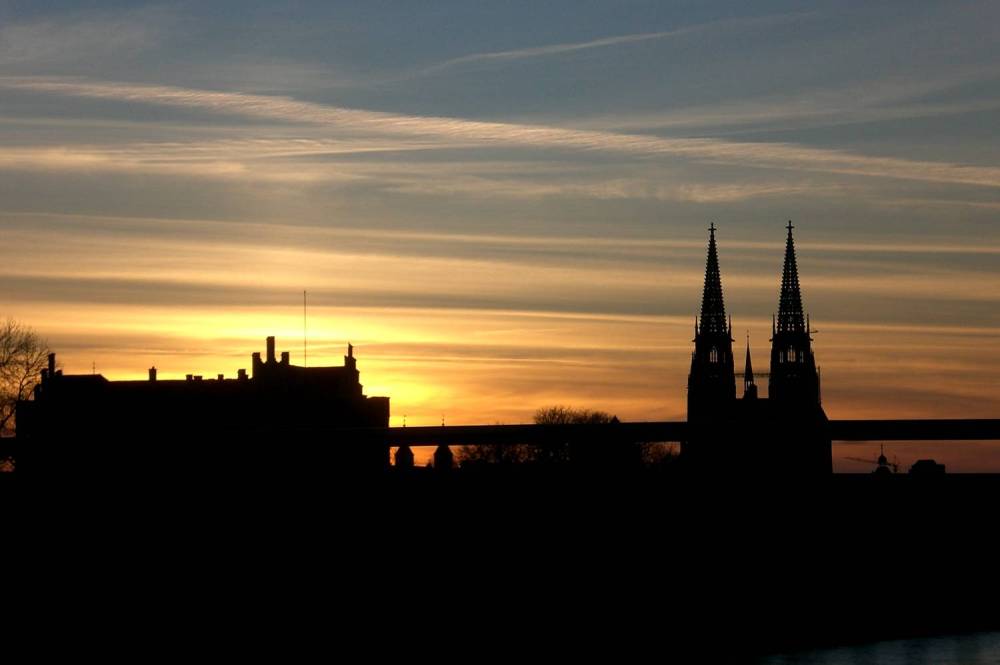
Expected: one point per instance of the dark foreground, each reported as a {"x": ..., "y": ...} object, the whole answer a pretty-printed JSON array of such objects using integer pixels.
[
  {"x": 720, "y": 569},
  {"x": 545, "y": 565},
  {"x": 954, "y": 649}
]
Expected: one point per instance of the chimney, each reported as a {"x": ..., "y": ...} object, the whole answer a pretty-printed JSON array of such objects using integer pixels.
[
  {"x": 270, "y": 349},
  {"x": 152, "y": 374},
  {"x": 241, "y": 374},
  {"x": 52, "y": 364},
  {"x": 219, "y": 377},
  {"x": 284, "y": 357},
  {"x": 197, "y": 377},
  {"x": 189, "y": 377}
]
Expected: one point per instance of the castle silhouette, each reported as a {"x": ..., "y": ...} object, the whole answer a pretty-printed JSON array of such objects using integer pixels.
[
  {"x": 786, "y": 432},
  {"x": 277, "y": 398}
]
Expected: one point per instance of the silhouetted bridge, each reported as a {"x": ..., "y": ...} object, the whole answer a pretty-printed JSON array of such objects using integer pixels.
[
  {"x": 672, "y": 431},
  {"x": 120, "y": 454}
]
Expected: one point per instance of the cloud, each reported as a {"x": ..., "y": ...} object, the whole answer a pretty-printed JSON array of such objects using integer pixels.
[
  {"x": 875, "y": 100},
  {"x": 88, "y": 233},
  {"x": 198, "y": 262},
  {"x": 919, "y": 202},
  {"x": 314, "y": 160},
  {"x": 452, "y": 132},
  {"x": 781, "y": 117},
  {"x": 604, "y": 42},
  {"x": 646, "y": 186},
  {"x": 555, "y": 49},
  {"x": 278, "y": 159},
  {"x": 80, "y": 37}
]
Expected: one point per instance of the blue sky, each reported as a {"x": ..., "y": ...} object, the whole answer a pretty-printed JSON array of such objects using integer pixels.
[{"x": 507, "y": 188}]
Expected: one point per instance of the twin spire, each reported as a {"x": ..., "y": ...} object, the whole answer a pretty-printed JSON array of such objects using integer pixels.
[
  {"x": 790, "y": 317},
  {"x": 713, "y": 310}
]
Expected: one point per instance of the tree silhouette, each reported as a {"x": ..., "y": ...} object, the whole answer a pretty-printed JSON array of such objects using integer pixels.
[
  {"x": 495, "y": 454},
  {"x": 23, "y": 355},
  {"x": 559, "y": 453},
  {"x": 658, "y": 454},
  {"x": 564, "y": 415}
]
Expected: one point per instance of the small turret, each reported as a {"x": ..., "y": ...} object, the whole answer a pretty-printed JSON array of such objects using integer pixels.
[
  {"x": 349, "y": 360},
  {"x": 749, "y": 387}
]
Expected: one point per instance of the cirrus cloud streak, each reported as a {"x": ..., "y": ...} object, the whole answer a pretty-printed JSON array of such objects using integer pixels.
[{"x": 457, "y": 131}]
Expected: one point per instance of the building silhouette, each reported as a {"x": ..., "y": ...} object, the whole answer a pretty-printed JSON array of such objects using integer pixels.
[
  {"x": 786, "y": 432},
  {"x": 712, "y": 381},
  {"x": 277, "y": 403}
]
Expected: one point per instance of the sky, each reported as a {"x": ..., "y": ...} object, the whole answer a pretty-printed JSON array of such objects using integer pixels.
[{"x": 504, "y": 205}]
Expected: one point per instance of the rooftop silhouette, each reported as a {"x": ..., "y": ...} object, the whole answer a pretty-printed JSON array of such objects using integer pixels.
[{"x": 277, "y": 400}]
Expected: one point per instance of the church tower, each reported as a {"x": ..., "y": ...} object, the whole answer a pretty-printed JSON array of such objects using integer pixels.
[
  {"x": 786, "y": 433},
  {"x": 794, "y": 378},
  {"x": 712, "y": 381}
]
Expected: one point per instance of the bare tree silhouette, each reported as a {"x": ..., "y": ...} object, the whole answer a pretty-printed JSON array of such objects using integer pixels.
[
  {"x": 528, "y": 454},
  {"x": 565, "y": 415},
  {"x": 560, "y": 453},
  {"x": 23, "y": 355},
  {"x": 494, "y": 454}
]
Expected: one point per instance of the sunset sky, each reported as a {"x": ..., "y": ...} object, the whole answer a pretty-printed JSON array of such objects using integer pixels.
[{"x": 504, "y": 205}]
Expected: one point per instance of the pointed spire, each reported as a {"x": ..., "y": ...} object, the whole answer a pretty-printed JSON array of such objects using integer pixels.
[
  {"x": 713, "y": 311},
  {"x": 749, "y": 386},
  {"x": 790, "y": 318}
]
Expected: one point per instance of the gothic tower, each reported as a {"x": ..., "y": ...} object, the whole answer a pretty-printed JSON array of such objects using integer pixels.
[
  {"x": 712, "y": 381},
  {"x": 794, "y": 378},
  {"x": 784, "y": 434}
]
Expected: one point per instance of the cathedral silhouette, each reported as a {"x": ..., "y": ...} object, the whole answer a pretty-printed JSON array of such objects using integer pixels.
[{"x": 786, "y": 432}]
